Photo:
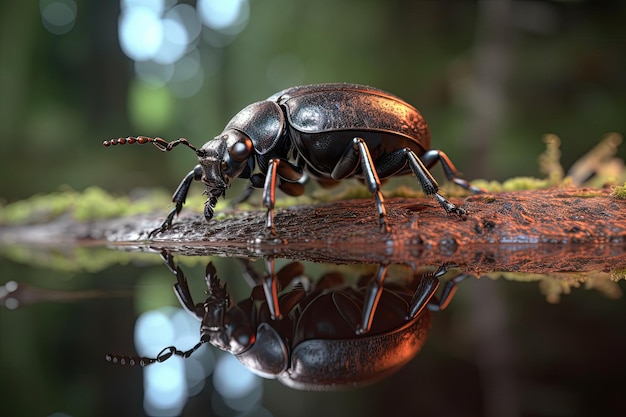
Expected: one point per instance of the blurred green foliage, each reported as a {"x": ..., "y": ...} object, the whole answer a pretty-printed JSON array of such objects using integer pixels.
[{"x": 563, "y": 72}]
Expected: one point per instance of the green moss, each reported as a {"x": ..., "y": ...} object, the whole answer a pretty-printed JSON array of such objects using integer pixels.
[
  {"x": 92, "y": 203},
  {"x": 600, "y": 167},
  {"x": 618, "y": 274},
  {"x": 512, "y": 184},
  {"x": 588, "y": 194},
  {"x": 405, "y": 192},
  {"x": 525, "y": 183},
  {"x": 606, "y": 172},
  {"x": 619, "y": 192},
  {"x": 550, "y": 160},
  {"x": 556, "y": 284},
  {"x": 38, "y": 206},
  {"x": 346, "y": 190}
]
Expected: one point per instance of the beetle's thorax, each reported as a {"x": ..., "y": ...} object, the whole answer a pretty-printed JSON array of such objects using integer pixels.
[{"x": 263, "y": 122}]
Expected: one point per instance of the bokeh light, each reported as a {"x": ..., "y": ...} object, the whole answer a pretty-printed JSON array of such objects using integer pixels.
[
  {"x": 10, "y": 303},
  {"x": 153, "y": 331},
  {"x": 164, "y": 39},
  {"x": 58, "y": 16},
  {"x": 140, "y": 32},
  {"x": 168, "y": 385},
  {"x": 223, "y": 15},
  {"x": 165, "y": 388},
  {"x": 241, "y": 390}
]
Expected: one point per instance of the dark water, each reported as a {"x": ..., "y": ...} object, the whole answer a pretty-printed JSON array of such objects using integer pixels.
[{"x": 515, "y": 345}]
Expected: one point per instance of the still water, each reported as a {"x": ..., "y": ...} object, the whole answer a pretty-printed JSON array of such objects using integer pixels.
[{"x": 506, "y": 345}]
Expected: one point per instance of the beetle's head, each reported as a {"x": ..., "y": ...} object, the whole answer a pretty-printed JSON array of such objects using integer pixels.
[
  {"x": 225, "y": 325},
  {"x": 234, "y": 334},
  {"x": 223, "y": 159}
]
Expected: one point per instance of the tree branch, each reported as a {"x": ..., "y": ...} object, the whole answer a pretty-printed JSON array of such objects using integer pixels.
[{"x": 536, "y": 231}]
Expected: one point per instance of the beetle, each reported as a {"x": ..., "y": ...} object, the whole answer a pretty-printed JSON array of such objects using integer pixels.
[
  {"x": 327, "y": 131},
  {"x": 333, "y": 336}
]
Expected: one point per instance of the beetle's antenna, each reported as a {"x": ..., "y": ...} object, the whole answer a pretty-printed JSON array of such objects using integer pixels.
[
  {"x": 164, "y": 355},
  {"x": 160, "y": 143}
]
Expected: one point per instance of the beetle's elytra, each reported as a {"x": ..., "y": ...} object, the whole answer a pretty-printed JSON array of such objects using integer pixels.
[
  {"x": 326, "y": 131},
  {"x": 332, "y": 335}
]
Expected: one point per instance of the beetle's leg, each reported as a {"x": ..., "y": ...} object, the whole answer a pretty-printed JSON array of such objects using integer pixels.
[
  {"x": 179, "y": 197},
  {"x": 289, "y": 171},
  {"x": 357, "y": 153},
  {"x": 244, "y": 196},
  {"x": 370, "y": 301},
  {"x": 372, "y": 181},
  {"x": 429, "y": 184},
  {"x": 433, "y": 156},
  {"x": 258, "y": 181},
  {"x": 269, "y": 193}
]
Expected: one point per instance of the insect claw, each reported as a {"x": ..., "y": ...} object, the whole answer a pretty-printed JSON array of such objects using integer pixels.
[{"x": 155, "y": 232}]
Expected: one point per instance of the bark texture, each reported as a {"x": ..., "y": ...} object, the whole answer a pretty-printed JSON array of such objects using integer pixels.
[{"x": 538, "y": 231}]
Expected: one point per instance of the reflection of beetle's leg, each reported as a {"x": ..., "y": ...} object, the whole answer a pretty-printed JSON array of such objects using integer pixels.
[
  {"x": 449, "y": 289},
  {"x": 250, "y": 275},
  {"x": 358, "y": 153},
  {"x": 433, "y": 156},
  {"x": 286, "y": 274},
  {"x": 272, "y": 283},
  {"x": 370, "y": 301},
  {"x": 181, "y": 287},
  {"x": 270, "y": 287},
  {"x": 425, "y": 290}
]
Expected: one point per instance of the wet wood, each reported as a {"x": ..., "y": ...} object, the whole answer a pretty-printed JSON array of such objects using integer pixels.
[{"x": 536, "y": 231}]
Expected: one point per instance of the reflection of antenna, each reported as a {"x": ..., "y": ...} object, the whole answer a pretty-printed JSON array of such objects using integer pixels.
[
  {"x": 160, "y": 143},
  {"x": 164, "y": 355}
]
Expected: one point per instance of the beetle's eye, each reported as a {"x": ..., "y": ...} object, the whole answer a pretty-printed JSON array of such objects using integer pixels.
[{"x": 241, "y": 150}]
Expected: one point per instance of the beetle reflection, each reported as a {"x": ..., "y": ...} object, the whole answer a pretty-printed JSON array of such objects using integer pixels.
[{"x": 323, "y": 336}]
